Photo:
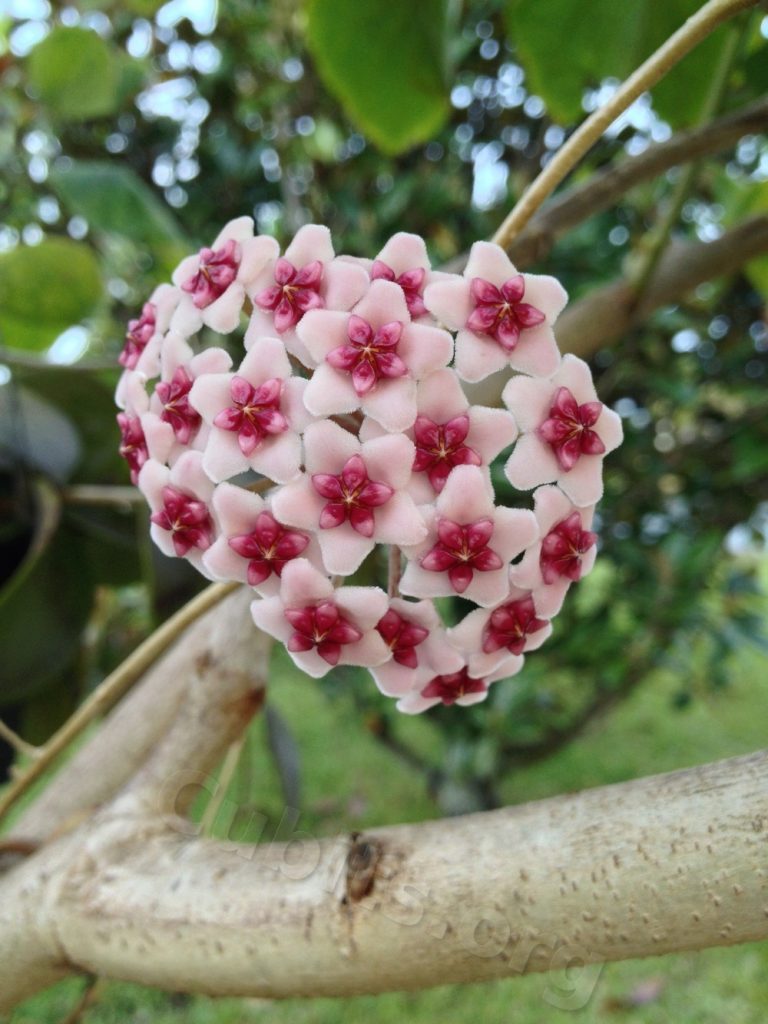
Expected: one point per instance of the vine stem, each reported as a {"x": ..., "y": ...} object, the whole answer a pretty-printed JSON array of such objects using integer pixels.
[
  {"x": 14, "y": 740},
  {"x": 116, "y": 684},
  {"x": 97, "y": 494},
  {"x": 228, "y": 769},
  {"x": 587, "y": 134}
]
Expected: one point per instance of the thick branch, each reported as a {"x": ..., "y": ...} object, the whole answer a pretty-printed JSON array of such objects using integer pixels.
[
  {"x": 605, "y": 188},
  {"x": 657, "y": 865},
  {"x": 224, "y": 690},
  {"x": 125, "y": 740}
]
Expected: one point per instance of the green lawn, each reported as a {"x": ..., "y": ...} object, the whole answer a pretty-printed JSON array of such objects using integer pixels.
[{"x": 349, "y": 781}]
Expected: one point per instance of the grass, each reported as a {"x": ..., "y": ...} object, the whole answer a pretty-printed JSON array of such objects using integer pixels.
[{"x": 351, "y": 782}]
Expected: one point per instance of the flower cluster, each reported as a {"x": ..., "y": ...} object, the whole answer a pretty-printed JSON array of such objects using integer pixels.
[{"x": 342, "y": 425}]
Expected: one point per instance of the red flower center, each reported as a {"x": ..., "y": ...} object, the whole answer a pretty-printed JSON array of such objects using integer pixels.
[
  {"x": 370, "y": 355},
  {"x": 462, "y": 550},
  {"x": 268, "y": 547},
  {"x": 449, "y": 688},
  {"x": 216, "y": 272},
  {"x": 500, "y": 312},
  {"x": 440, "y": 447},
  {"x": 255, "y": 414},
  {"x": 177, "y": 410},
  {"x": 352, "y": 495},
  {"x": 323, "y": 627},
  {"x": 563, "y": 547},
  {"x": 294, "y": 293},
  {"x": 133, "y": 444},
  {"x": 511, "y": 625},
  {"x": 411, "y": 281},
  {"x": 402, "y": 636},
  {"x": 139, "y": 333},
  {"x": 187, "y": 519},
  {"x": 568, "y": 430}
]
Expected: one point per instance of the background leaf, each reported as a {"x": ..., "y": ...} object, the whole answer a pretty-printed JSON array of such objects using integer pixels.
[
  {"x": 112, "y": 198},
  {"x": 386, "y": 64},
  {"x": 73, "y": 71},
  {"x": 45, "y": 604},
  {"x": 606, "y": 39},
  {"x": 45, "y": 289},
  {"x": 36, "y": 435}
]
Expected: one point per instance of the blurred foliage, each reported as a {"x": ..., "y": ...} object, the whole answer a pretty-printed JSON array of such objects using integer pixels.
[{"x": 129, "y": 133}]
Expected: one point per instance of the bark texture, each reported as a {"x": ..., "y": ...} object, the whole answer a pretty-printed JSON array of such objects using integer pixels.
[{"x": 652, "y": 866}]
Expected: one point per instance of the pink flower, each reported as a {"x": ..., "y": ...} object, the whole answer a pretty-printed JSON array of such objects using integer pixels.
[
  {"x": 371, "y": 358},
  {"x": 565, "y": 432},
  {"x": 564, "y": 553},
  {"x": 133, "y": 444},
  {"x": 144, "y": 337},
  {"x": 142, "y": 432},
  {"x": 495, "y": 638},
  {"x": 352, "y": 495},
  {"x": 322, "y": 627},
  {"x": 254, "y": 546},
  {"x": 415, "y": 635},
  {"x": 215, "y": 279},
  {"x": 142, "y": 340},
  {"x": 456, "y": 684},
  {"x": 448, "y": 432},
  {"x": 503, "y": 318},
  {"x": 404, "y": 260},
  {"x": 171, "y": 406},
  {"x": 470, "y": 542},
  {"x": 307, "y": 277},
  {"x": 255, "y": 416},
  {"x": 180, "y": 499}
]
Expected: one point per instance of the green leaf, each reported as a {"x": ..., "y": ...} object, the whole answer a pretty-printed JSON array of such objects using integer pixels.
[
  {"x": 75, "y": 72},
  {"x": 386, "y": 64},
  {"x": 44, "y": 289},
  {"x": 609, "y": 39},
  {"x": 114, "y": 199},
  {"x": 757, "y": 272},
  {"x": 595, "y": 49}
]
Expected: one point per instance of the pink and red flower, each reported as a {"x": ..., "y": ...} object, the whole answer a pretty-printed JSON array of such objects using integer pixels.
[
  {"x": 496, "y": 328},
  {"x": 322, "y": 626},
  {"x": 565, "y": 432},
  {"x": 352, "y": 495},
  {"x": 470, "y": 542}
]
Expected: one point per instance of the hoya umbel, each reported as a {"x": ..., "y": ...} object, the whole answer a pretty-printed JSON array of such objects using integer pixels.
[{"x": 344, "y": 427}]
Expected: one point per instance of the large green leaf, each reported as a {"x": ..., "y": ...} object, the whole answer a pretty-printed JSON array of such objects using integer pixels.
[
  {"x": 567, "y": 46},
  {"x": 386, "y": 63},
  {"x": 44, "y": 289},
  {"x": 114, "y": 199},
  {"x": 76, "y": 74}
]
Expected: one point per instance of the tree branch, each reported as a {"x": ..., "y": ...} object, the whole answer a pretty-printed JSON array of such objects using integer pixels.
[
  {"x": 125, "y": 739},
  {"x": 643, "y": 868},
  {"x": 607, "y": 187},
  {"x": 225, "y": 689},
  {"x": 115, "y": 686}
]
